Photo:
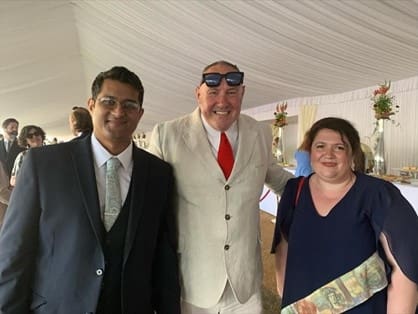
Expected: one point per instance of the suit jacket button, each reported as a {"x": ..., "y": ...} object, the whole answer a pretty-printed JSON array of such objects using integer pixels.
[
  {"x": 227, "y": 217},
  {"x": 99, "y": 272},
  {"x": 226, "y": 247},
  {"x": 227, "y": 187}
]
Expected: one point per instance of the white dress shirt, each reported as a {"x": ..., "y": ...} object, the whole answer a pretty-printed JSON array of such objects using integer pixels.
[
  {"x": 101, "y": 156},
  {"x": 214, "y": 137}
]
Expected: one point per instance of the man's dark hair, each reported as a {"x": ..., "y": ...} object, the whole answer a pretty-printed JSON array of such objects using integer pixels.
[
  {"x": 8, "y": 121},
  {"x": 121, "y": 74}
]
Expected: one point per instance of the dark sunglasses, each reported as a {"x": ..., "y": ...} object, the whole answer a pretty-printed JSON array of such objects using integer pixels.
[
  {"x": 31, "y": 135},
  {"x": 214, "y": 79}
]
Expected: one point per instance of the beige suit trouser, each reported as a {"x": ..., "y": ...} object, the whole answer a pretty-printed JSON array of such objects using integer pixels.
[{"x": 228, "y": 304}]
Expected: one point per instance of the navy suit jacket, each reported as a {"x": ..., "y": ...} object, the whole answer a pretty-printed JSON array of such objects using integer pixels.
[{"x": 51, "y": 244}]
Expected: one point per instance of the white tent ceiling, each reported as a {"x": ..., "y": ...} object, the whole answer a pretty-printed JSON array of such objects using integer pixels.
[{"x": 51, "y": 50}]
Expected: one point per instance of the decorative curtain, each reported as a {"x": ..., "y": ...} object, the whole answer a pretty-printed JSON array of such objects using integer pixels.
[
  {"x": 401, "y": 144},
  {"x": 306, "y": 118}
]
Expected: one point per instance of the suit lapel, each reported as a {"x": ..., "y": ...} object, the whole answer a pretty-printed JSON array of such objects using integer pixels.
[
  {"x": 247, "y": 137},
  {"x": 84, "y": 167},
  {"x": 195, "y": 138},
  {"x": 139, "y": 179}
]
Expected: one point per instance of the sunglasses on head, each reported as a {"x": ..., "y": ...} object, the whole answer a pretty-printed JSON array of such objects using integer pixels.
[
  {"x": 31, "y": 135},
  {"x": 214, "y": 79}
]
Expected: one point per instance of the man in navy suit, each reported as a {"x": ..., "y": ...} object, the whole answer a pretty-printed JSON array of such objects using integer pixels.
[
  {"x": 9, "y": 147},
  {"x": 56, "y": 256}
]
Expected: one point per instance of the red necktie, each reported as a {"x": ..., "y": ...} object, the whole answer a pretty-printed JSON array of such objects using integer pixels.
[{"x": 225, "y": 156}]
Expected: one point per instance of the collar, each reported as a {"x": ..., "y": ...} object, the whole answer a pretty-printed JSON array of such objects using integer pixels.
[
  {"x": 101, "y": 155},
  {"x": 214, "y": 135}
]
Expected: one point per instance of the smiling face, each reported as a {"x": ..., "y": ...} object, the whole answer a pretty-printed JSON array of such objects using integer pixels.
[
  {"x": 220, "y": 105},
  {"x": 114, "y": 125},
  {"x": 331, "y": 156}
]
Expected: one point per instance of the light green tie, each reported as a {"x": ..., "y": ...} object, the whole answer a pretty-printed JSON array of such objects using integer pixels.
[{"x": 113, "y": 202}]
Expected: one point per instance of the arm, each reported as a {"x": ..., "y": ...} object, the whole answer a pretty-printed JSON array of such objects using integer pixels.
[
  {"x": 154, "y": 144},
  {"x": 280, "y": 258},
  {"x": 16, "y": 168},
  {"x": 5, "y": 190},
  {"x": 402, "y": 292},
  {"x": 276, "y": 177},
  {"x": 19, "y": 242},
  {"x": 166, "y": 284}
]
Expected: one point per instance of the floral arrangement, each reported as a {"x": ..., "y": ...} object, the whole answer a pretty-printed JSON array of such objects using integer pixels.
[
  {"x": 383, "y": 105},
  {"x": 280, "y": 115}
]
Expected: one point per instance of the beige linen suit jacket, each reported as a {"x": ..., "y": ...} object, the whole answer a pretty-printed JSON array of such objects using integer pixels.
[{"x": 218, "y": 219}]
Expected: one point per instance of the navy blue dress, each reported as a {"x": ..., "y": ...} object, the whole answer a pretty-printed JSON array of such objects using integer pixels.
[{"x": 322, "y": 249}]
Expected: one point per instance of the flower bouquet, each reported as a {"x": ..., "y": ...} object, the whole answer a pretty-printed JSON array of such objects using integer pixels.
[
  {"x": 280, "y": 115},
  {"x": 383, "y": 105}
]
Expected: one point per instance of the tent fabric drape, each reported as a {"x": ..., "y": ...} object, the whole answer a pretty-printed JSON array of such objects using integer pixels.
[
  {"x": 401, "y": 145},
  {"x": 52, "y": 50},
  {"x": 306, "y": 118}
]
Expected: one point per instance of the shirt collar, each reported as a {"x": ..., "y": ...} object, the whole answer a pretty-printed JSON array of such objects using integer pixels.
[
  {"x": 101, "y": 155},
  {"x": 232, "y": 132}
]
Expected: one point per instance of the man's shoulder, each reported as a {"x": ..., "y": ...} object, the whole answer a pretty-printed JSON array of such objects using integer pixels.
[
  {"x": 247, "y": 119},
  {"x": 178, "y": 122},
  {"x": 152, "y": 159},
  {"x": 55, "y": 149},
  {"x": 250, "y": 121}
]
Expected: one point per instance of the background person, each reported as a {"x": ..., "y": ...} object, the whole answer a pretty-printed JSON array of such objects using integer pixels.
[
  {"x": 9, "y": 147},
  {"x": 217, "y": 201},
  {"x": 30, "y": 136},
  {"x": 80, "y": 122},
  {"x": 74, "y": 241},
  {"x": 346, "y": 228},
  {"x": 303, "y": 160},
  {"x": 5, "y": 192}
]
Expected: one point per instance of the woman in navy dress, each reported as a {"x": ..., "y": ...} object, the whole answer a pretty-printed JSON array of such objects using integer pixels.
[{"x": 347, "y": 243}]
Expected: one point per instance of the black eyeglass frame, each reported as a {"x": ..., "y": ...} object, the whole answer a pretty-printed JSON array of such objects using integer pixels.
[{"x": 235, "y": 78}]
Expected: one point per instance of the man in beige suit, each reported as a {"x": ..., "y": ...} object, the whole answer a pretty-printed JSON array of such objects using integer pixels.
[{"x": 218, "y": 212}]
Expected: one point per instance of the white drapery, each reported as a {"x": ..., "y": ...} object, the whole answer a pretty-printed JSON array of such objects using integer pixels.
[
  {"x": 401, "y": 135},
  {"x": 307, "y": 114},
  {"x": 51, "y": 50}
]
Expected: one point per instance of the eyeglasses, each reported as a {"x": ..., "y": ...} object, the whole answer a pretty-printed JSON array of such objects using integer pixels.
[
  {"x": 214, "y": 79},
  {"x": 111, "y": 103},
  {"x": 31, "y": 135}
]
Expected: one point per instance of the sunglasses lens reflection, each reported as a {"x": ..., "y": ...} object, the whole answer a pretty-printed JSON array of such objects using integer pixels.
[
  {"x": 214, "y": 79},
  {"x": 234, "y": 78}
]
